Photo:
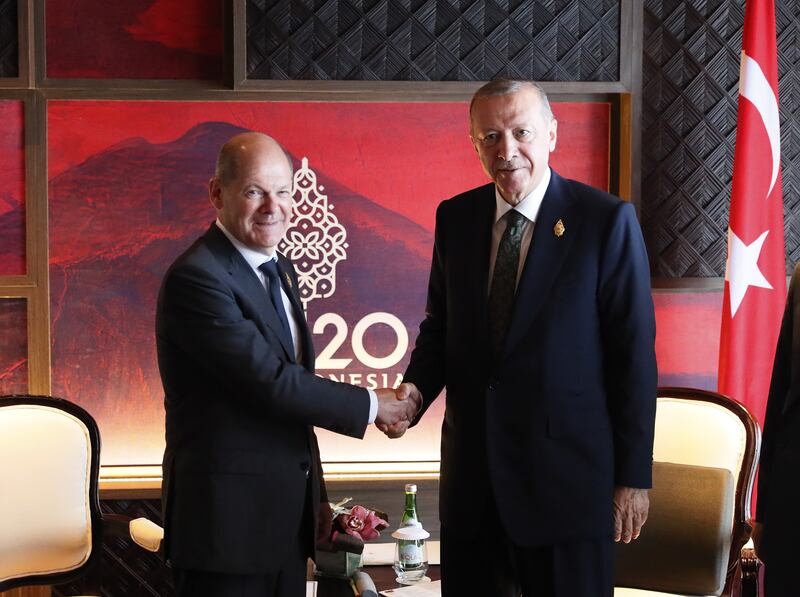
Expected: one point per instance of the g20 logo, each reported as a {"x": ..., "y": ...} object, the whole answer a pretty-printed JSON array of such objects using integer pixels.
[{"x": 316, "y": 242}]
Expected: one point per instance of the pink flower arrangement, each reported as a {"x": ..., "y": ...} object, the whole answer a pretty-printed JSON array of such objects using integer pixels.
[{"x": 358, "y": 522}]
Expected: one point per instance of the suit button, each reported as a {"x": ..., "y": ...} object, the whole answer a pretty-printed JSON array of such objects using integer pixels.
[
  {"x": 493, "y": 385},
  {"x": 304, "y": 466}
]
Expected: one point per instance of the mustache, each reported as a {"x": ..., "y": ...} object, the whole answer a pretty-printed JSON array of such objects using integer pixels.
[{"x": 512, "y": 164}]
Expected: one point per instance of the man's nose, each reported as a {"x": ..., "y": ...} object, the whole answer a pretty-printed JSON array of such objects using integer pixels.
[
  {"x": 269, "y": 204},
  {"x": 507, "y": 148}
]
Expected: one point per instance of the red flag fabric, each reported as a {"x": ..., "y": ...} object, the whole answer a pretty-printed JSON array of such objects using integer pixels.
[{"x": 755, "y": 273}]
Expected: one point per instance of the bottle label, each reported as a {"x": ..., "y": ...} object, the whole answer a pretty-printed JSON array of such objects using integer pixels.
[{"x": 410, "y": 553}]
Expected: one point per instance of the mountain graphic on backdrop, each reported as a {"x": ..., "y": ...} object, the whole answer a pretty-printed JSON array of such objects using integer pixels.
[{"x": 120, "y": 218}]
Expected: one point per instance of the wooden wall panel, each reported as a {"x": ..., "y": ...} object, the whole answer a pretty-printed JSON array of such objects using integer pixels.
[
  {"x": 394, "y": 40},
  {"x": 690, "y": 89}
]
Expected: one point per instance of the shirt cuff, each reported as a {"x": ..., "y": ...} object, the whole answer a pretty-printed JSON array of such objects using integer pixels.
[{"x": 373, "y": 406}]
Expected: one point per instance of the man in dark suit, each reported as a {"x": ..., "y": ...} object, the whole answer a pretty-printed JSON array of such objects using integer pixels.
[
  {"x": 540, "y": 325},
  {"x": 777, "y": 513},
  {"x": 242, "y": 477}
]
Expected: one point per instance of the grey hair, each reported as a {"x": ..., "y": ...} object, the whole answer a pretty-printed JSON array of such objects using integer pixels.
[{"x": 507, "y": 86}]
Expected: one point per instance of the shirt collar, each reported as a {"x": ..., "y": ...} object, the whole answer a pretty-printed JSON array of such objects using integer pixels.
[
  {"x": 529, "y": 206},
  {"x": 251, "y": 256}
]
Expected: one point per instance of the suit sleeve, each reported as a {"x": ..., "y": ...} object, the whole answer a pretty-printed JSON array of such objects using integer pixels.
[
  {"x": 200, "y": 319},
  {"x": 426, "y": 368},
  {"x": 323, "y": 489},
  {"x": 627, "y": 324},
  {"x": 778, "y": 390}
]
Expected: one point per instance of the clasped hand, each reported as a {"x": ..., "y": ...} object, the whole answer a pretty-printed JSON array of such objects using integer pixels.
[{"x": 397, "y": 409}]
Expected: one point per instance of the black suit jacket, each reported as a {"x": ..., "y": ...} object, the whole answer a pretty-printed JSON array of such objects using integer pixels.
[
  {"x": 240, "y": 448},
  {"x": 779, "y": 466},
  {"x": 569, "y": 410}
]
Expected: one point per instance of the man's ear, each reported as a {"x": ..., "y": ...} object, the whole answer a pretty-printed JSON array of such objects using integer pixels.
[
  {"x": 215, "y": 193},
  {"x": 553, "y": 134},
  {"x": 474, "y": 144}
]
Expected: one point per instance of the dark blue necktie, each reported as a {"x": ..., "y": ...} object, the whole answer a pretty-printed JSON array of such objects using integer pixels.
[{"x": 270, "y": 270}]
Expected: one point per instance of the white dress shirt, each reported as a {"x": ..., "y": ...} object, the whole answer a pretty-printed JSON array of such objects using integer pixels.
[
  {"x": 528, "y": 207},
  {"x": 254, "y": 259}
]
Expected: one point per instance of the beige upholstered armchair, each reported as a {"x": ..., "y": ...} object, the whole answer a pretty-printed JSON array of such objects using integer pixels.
[
  {"x": 51, "y": 527},
  {"x": 705, "y": 454}
]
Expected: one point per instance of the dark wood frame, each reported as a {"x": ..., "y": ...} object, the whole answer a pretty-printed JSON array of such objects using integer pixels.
[
  {"x": 235, "y": 85},
  {"x": 25, "y": 49},
  {"x": 746, "y": 477},
  {"x": 34, "y": 284},
  {"x": 42, "y": 81},
  {"x": 626, "y": 152}
]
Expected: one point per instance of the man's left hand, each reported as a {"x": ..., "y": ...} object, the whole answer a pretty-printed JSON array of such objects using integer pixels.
[{"x": 631, "y": 505}]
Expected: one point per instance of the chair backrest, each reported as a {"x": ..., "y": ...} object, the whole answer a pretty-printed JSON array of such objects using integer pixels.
[
  {"x": 705, "y": 428},
  {"x": 50, "y": 516},
  {"x": 705, "y": 451},
  {"x": 685, "y": 545}
]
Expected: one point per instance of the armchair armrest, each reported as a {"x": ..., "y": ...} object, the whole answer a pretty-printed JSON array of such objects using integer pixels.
[{"x": 145, "y": 533}]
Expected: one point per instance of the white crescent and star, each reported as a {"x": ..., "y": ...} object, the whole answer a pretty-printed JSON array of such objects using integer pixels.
[
  {"x": 755, "y": 87},
  {"x": 742, "y": 269}
]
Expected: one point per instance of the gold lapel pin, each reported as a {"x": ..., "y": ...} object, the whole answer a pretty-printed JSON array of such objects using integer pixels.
[
  {"x": 288, "y": 280},
  {"x": 559, "y": 229}
]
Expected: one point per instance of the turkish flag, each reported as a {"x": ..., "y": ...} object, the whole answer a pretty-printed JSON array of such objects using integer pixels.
[{"x": 755, "y": 273}]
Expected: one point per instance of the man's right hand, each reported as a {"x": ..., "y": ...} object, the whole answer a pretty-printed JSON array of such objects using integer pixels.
[
  {"x": 408, "y": 393},
  {"x": 393, "y": 408}
]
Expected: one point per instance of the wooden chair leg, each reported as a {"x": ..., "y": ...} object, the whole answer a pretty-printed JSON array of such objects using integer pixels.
[{"x": 751, "y": 568}]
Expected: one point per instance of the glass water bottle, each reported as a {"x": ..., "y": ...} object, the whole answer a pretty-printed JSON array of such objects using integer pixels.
[{"x": 411, "y": 561}]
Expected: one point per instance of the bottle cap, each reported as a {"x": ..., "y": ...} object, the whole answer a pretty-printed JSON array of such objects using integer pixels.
[{"x": 411, "y": 488}]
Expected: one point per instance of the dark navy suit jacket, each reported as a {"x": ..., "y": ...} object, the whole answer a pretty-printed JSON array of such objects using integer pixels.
[
  {"x": 779, "y": 468},
  {"x": 568, "y": 411},
  {"x": 240, "y": 448}
]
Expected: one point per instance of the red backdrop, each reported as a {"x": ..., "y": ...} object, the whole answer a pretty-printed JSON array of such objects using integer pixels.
[
  {"x": 12, "y": 188},
  {"x": 134, "y": 39},
  {"x": 127, "y": 194},
  {"x": 13, "y": 347}
]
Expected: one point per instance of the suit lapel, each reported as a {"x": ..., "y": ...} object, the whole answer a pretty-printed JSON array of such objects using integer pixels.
[
  {"x": 545, "y": 258},
  {"x": 246, "y": 279}
]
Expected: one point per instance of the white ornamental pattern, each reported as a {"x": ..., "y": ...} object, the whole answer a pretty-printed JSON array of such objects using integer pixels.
[{"x": 315, "y": 240}]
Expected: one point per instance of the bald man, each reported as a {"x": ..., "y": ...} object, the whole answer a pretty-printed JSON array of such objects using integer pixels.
[{"x": 242, "y": 477}]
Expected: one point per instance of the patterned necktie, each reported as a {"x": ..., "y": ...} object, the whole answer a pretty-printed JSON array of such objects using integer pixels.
[
  {"x": 270, "y": 270},
  {"x": 504, "y": 281}
]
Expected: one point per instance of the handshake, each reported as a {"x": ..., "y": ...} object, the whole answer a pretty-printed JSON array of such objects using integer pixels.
[{"x": 397, "y": 408}]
